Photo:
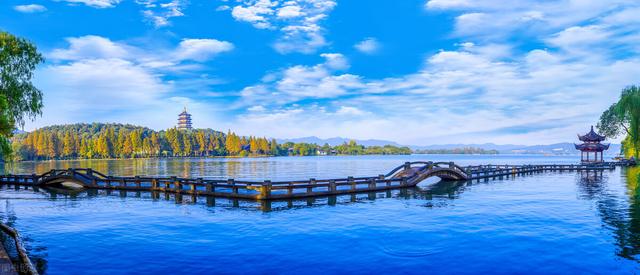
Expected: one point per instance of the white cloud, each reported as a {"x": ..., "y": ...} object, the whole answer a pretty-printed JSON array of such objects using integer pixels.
[
  {"x": 201, "y": 49},
  {"x": 104, "y": 84},
  {"x": 223, "y": 8},
  {"x": 90, "y": 46},
  {"x": 96, "y": 79},
  {"x": 473, "y": 94},
  {"x": 448, "y": 4},
  {"x": 257, "y": 108},
  {"x": 335, "y": 61},
  {"x": 255, "y": 12},
  {"x": 495, "y": 19},
  {"x": 579, "y": 37},
  {"x": 290, "y": 11},
  {"x": 160, "y": 13},
  {"x": 487, "y": 90},
  {"x": 31, "y": 8},
  {"x": 97, "y": 47},
  {"x": 96, "y": 3},
  {"x": 368, "y": 46},
  {"x": 299, "y": 82},
  {"x": 297, "y": 21}
]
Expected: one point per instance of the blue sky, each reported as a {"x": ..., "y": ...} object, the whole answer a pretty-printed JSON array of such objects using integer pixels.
[{"x": 413, "y": 71}]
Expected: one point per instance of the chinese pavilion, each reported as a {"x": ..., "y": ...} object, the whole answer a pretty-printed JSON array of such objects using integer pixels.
[
  {"x": 591, "y": 144},
  {"x": 184, "y": 120}
]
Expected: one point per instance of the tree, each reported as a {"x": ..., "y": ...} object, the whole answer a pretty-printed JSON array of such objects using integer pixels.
[
  {"x": 19, "y": 98},
  {"x": 624, "y": 117},
  {"x": 188, "y": 145},
  {"x": 68, "y": 145},
  {"x": 155, "y": 144},
  {"x": 233, "y": 143},
  {"x": 274, "y": 147},
  {"x": 6, "y": 127}
]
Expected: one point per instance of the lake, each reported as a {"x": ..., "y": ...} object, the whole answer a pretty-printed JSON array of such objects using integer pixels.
[{"x": 552, "y": 222}]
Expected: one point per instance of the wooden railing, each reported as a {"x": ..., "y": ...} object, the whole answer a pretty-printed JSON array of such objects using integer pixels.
[{"x": 268, "y": 190}]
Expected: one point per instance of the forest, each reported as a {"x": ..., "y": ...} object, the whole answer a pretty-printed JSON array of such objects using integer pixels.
[{"x": 108, "y": 141}]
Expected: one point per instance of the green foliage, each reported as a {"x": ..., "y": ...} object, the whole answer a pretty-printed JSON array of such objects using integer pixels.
[
  {"x": 611, "y": 124},
  {"x": 99, "y": 141},
  {"x": 18, "y": 96},
  {"x": 623, "y": 117}
]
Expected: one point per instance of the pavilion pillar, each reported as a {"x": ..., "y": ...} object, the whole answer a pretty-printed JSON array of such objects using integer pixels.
[{"x": 587, "y": 156}]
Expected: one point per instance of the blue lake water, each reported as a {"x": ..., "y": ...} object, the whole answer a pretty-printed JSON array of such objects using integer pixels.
[{"x": 545, "y": 223}]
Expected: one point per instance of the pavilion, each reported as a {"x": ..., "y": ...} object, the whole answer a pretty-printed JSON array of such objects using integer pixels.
[{"x": 591, "y": 143}]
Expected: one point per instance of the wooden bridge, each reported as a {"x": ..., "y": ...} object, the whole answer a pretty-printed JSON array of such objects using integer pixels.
[{"x": 407, "y": 175}]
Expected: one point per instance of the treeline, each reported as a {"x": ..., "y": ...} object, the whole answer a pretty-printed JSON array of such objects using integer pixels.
[
  {"x": 101, "y": 141},
  {"x": 350, "y": 148},
  {"x": 465, "y": 150}
]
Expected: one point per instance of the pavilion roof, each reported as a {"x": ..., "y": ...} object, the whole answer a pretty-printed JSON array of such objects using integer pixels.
[
  {"x": 591, "y": 136},
  {"x": 592, "y": 147}
]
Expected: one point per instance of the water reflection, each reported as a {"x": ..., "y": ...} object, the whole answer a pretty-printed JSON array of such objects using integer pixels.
[
  {"x": 39, "y": 255},
  {"x": 618, "y": 209},
  {"x": 442, "y": 189},
  {"x": 277, "y": 168}
]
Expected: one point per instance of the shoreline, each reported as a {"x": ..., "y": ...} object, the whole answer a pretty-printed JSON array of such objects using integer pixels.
[{"x": 267, "y": 156}]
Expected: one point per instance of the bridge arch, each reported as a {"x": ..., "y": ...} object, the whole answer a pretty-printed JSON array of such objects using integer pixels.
[
  {"x": 70, "y": 178},
  {"x": 66, "y": 182},
  {"x": 417, "y": 171}
]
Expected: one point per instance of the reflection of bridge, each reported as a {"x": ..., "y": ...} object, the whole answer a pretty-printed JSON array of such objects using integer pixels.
[{"x": 406, "y": 175}]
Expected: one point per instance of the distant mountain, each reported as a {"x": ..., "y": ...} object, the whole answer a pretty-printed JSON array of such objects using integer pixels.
[
  {"x": 338, "y": 140},
  {"x": 17, "y": 131},
  {"x": 485, "y": 146},
  {"x": 564, "y": 148}
]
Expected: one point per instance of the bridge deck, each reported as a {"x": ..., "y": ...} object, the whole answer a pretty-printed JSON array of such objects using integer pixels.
[{"x": 406, "y": 175}]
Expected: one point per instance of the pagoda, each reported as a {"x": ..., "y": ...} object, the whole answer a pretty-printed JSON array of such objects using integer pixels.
[
  {"x": 591, "y": 143},
  {"x": 184, "y": 120}
]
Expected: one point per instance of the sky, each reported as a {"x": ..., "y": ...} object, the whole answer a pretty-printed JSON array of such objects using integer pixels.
[{"x": 416, "y": 72}]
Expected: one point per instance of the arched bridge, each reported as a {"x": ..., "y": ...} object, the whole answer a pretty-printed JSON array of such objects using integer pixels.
[
  {"x": 71, "y": 178},
  {"x": 417, "y": 171},
  {"x": 407, "y": 175}
]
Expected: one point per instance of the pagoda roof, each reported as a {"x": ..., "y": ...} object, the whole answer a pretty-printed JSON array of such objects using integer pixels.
[
  {"x": 592, "y": 147},
  {"x": 591, "y": 136}
]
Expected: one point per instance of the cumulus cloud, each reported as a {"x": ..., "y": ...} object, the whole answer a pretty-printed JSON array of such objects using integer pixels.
[
  {"x": 97, "y": 47},
  {"x": 31, "y": 8},
  {"x": 475, "y": 92},
  {"x": 201, "y": 49},
  {"x": 299, "y": 82},
  {"x": 97, "y": 79},
  {"x": 160, "y": 13},
  {"x": 95, "y": 3},
  {"x": 90, "y": 46},
  {"x": 368, "y": 46},
  {"x": 297, "y": 21},
  {"x": 495, "y": 20}
]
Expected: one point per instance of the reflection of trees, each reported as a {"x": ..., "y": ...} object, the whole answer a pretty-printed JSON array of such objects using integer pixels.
[{"x": 620, "y": 214}]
